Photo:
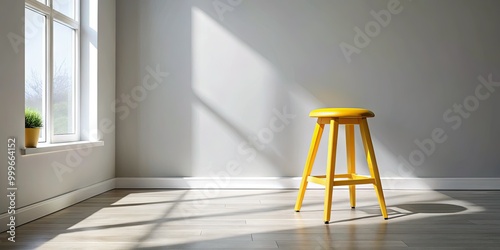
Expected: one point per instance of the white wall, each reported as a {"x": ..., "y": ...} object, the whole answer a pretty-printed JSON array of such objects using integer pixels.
[
  {"x": 36, "y": 178},
  {"x": 229, "y": 75}
]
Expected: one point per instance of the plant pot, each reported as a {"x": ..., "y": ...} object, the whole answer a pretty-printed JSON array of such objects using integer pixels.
[{"x": 31, "y": 137}]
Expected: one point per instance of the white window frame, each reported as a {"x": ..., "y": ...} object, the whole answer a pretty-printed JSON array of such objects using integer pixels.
[{"x": 52, "y": 16}]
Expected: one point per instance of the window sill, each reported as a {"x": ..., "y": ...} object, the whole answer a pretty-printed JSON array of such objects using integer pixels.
[{"x": 44, "y": 148}]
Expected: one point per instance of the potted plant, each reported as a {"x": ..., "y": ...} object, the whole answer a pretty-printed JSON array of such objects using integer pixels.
[{"x": 32, "y": 124}]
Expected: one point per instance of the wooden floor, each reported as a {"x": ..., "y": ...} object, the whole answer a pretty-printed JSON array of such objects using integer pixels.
[{"x": 264, "y": 219}]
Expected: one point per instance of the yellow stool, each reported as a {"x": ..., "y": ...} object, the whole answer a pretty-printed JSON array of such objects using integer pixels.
[{"x": 334, "y": 117}]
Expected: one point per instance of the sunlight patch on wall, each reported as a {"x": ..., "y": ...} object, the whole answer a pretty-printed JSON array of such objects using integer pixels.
[
  {"x": 229, "y": 76},
  {"x": 236, "y": 93}
]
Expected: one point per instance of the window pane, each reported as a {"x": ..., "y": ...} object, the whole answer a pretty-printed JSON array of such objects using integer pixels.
[
  {"x": 35, "y": 58},
  {"x": 63, "y": 97},
  {"x": 43, "y": 1},
  {"x": 67, "y": 7}
]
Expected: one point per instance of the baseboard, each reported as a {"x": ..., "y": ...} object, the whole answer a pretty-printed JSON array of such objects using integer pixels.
[
  {"x": 210, "y": 182},
  {"x": 441, "y": 183},
  {"x": 43, "y": 208},
  {"x": 294, "y": 182}
]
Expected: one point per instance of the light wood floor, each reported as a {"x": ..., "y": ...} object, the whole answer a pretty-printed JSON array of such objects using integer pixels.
[{"x": 264, "y": 219}]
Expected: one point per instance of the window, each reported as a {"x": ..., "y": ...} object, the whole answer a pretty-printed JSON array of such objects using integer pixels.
[{"x": 52, "y": 87}]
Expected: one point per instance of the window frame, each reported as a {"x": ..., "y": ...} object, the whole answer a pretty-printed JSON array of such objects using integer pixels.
[{"x": 51, "y": 15}]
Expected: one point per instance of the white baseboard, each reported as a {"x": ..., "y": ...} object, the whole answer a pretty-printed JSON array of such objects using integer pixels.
[
  {"x": 293, "y": 183},
  {"x": 208, "y": 182},
  {"x": 46, "y": 207},
  {"x": 441, "y": 183}
]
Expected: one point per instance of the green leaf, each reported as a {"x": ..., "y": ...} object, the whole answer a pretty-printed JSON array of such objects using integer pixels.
[{"x": 32, "y": 118}]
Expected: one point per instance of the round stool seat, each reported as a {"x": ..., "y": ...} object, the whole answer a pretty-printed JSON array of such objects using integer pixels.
[{"x": 342, "y": 112}]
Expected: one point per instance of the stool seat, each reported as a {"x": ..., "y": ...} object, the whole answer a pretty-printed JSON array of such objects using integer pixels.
[{"x": 342, "y": 112}]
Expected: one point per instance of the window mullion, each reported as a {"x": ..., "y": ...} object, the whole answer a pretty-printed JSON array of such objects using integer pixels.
[
  {"x": 77, "y": 90},
  {"x": 50, "y": 76},
  {"x": 70, "y": 22}
]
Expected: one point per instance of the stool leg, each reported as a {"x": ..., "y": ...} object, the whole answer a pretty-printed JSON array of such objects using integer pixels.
[
  {"x": 313, "y": 149},
  {"x": 330, "y": 169},
  {"x": 372, "y": 165},
  {"x": 351, "y": 160}
]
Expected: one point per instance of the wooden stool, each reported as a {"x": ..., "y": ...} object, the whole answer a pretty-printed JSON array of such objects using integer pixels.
[{"x": 334, "y": 117}]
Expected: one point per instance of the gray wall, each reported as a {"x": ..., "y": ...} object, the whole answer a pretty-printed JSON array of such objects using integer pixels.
[
  {"x": 229, "y": 73},
  {"x": 36, "y": 179}
]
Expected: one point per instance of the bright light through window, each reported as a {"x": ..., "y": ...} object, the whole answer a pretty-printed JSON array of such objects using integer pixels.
[
  {"x": 35, "y": 73},
  {"x": 51, "y": 67},
  {"x": 63, "y": 99},
  {"x": 67, "y": 7}
]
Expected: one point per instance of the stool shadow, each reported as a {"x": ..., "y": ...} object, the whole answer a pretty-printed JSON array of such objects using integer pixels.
[
  {"x": 431, "y": 208},
  {"x": 413, "y": 209},
  {"x": 418, "y": 208}
]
